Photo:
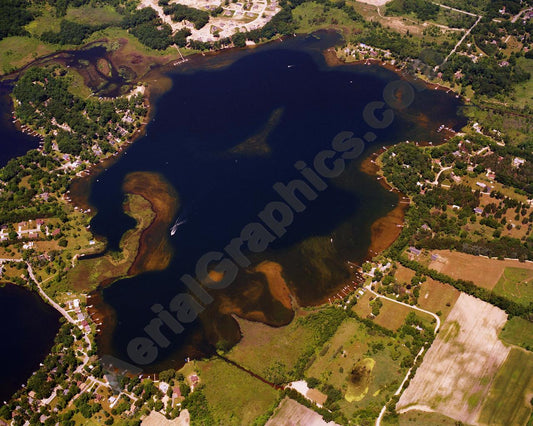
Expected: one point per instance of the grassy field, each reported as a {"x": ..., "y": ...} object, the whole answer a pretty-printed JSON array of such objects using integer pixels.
[
  {"x": 518, "y": 331},
  {"x": 134, "y": 45},
  {"x": 404, "y": 275},
  {"x": 355, "y": 345},
  {"x": 523, "y": 94},
  {"x": 516, "y": 284},
  {"x": 234, "y": 396},
  {"x": 264, "y": 348},
  {"x": 513, "y": 386},
  {"x": 391, "y": 315},
  {"x": 16, "y": 52},
  {"x": 88, "y": 15},
  {"x": 422, "y": 418},
  {"x": 437, "y": 297},
  {"x": 312, "y": 16},
  {"x": 363, "y": 308}
]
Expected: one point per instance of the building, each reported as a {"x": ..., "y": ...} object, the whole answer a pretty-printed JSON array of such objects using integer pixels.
[
  {"x": 415, "y": 251},
  {"x": 517, "y": 162}
]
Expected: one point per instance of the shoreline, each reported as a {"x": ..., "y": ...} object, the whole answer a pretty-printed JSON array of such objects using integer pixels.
[{"x": 384, "y": 231}]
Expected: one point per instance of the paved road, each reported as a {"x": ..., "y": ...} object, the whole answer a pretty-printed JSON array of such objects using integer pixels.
[
  {"x": 439, "y": 173},
  {"x": 515, "y": 18}
]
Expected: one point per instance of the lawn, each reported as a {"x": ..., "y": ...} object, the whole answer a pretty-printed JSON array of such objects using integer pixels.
[
  {"x": 516, "y": 284},
  {"x": 518, "y": 331},
  {"x": 234, "y": 396},
  {"x": 506, "y": 402}
]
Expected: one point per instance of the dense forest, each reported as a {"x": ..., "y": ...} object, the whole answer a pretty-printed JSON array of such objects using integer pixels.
[
  {"x": 180, "y": 12},
  {"x": 14, "y": 17},
  {"x": 423, "y": 9}
]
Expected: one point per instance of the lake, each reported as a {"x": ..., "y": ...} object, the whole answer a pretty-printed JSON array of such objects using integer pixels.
[
  {"x": 13, "y": 142},
  {"x": 28, "y": 328},
  {"x": 231, "y": 126}
]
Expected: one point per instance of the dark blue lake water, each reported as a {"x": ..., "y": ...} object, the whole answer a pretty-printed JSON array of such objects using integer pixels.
[
  {"x": 28, "y": 327},
  {"x": 13, "y": 143},
  {"x": 231, "y": 127}
]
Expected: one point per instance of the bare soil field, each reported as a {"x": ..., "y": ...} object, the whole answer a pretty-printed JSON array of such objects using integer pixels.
[
  {"x": 481, "y": 271},
  {"x": 290, "y": 412},
  {"x": 456, "y": 374}
]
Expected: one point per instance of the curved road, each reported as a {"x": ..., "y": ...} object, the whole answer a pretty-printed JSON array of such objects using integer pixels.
[{"x": 437, "y": 326}]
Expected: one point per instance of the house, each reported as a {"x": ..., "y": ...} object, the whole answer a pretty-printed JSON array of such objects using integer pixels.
[
  {"x": 33, "y": 234},
  {"x": 434, "y": 256},
  {"x": 56, "y": 231},
  {"x": 163, "y": 387},
  {"x": 478, "y": 210},
  {"x": 415, "y": 251},
  {"x": 517, "y": 162},
  {"x": 193, "y": 379},
  {"x": 481, "y": 185}
]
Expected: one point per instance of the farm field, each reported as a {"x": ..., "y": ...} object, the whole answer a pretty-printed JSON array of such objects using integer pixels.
[
  {"x": 234, "y": 397},
  {"x": 466, "y": 266},
  {"x": 436, "y": 296},
  {"x": 364, "y": 364},
  {"x": 423, "y": 418},
  {"x": 518, "y": 331},
  {"x": 455, "y": 375},
  {"x": 508, "y": 400},
  {"x": 516, "y": 284},
  {"x": 291, "y": 412}
]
